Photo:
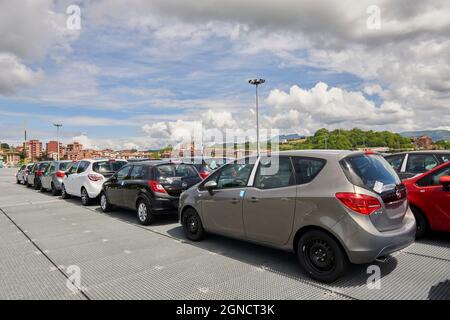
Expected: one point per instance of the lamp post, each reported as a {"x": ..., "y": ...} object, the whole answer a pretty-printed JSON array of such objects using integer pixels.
[
  {"x": 57, "y": 125},
  {"x": 256, "y": 83}
]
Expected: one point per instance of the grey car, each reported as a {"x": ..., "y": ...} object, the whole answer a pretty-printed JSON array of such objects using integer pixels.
[
  {"x": 52, "y": 177},
  {"x": 330, "y": 207},
  {"x": 21, "y": 175},
  {"x": 35, "y": 173}
]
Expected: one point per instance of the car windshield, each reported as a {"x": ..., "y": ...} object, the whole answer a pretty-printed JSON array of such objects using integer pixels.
[
  {"x": 370, "y": 171},
  {"x": 108, "y": 166},
  {"x": 175, "y": 170}
]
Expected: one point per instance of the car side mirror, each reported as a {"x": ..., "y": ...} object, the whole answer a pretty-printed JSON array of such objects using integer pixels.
[
  {"x": 66, "y": 173},
  {"x": 210, "y": 186},
  {"x": 445, "y": 182}
]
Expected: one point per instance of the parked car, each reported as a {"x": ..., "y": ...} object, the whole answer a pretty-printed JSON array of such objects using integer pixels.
[
  {"x": 85, "y": 178},
  {"x": 151, "y": 188},
  {"x": 22, "y": 174},
  {"x": 206, "y": 165},
  {"x": 410, "y": 164},
  {"x": 52, "y": 177},
  {"x": 330, "y": 207},
  {"x": 429, "y": 199},
  {"x": 35, "y": 173}
]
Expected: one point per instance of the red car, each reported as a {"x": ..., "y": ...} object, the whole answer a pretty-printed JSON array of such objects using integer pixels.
[{"x": 429, "y": 199}]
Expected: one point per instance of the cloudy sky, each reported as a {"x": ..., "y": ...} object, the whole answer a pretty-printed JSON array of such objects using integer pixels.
[{"x": 139, "y": 72}]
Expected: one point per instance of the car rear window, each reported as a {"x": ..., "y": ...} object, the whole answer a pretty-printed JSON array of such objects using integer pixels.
[
  {"x": 175, "y": 170},
  {"x": 370, "y": 171},
  {"x": 64, "y": 165},
  {"x": 107, "y": 166},
  {"x": 42, "y": 166}
]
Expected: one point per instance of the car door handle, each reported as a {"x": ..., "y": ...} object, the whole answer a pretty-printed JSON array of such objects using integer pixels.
[
  {"x": 254, "y": 199},
  {"x": 234, "y": 200}
]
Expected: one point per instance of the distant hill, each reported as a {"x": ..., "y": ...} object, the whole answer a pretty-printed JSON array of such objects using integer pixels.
[
  {"x": 434, "y": 134},
  {"x": 293, "y": 136}
]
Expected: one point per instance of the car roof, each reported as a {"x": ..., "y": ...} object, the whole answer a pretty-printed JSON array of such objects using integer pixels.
[
  {"x": 421, "y": 151},
  {"x": 321, "y": 153}
]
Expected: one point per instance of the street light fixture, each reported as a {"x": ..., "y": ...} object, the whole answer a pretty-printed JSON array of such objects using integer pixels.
[
  {"x": 256, "y": 83},
  {"x": 57, "y": 125}
]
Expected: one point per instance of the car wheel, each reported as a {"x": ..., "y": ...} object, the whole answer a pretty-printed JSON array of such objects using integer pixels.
[
  {"x": 144, "y": 212},
  {"x": 64, "y": 193},
  {"x": 17, "y": 181},
  {"x": 192, "y": 225},
  {"x": 55, "y": 192},
  {"x": 104, "y": 203},
  {"x": 421, "y": 222},
  {"x": 36, "y": 185},
  {"x": 321, "y": 256},
  {"x": 85, "y": 200},
  {"x": 28, "y": 184}
]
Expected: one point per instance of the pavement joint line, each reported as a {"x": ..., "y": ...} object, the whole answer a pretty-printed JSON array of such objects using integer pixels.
[{"x": 43, "y": 252}]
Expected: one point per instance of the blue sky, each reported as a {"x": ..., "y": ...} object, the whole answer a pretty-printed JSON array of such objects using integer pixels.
[{"x": 134, "y": 65}]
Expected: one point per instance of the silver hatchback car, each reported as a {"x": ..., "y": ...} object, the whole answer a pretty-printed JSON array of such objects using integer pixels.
[
  {"x": 330, "y": 207},
  {"x": 52, "y": 177}
]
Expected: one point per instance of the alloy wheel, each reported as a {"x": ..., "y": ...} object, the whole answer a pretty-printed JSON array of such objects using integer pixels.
[{"x": 142, "y": 211}]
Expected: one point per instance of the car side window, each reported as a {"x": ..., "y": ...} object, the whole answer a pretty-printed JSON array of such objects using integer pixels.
[
  {"x": 445, "y": 157},
  {"x": 73, "y": 168},
  {"x": 395, "y": 161},
  {"x": 418, "y": 163},
  {"x": 306, "y": 169},
  {"x": 234, "y": 176},
  {"x": 433, "y": 179},
  {"x": 123, "y": 173},
  {"x": 82, "y": 166},
  {"x": 137, "y": 173},
  {"x": 51, "y": 168},
  {"x": 284, "y": 176}
]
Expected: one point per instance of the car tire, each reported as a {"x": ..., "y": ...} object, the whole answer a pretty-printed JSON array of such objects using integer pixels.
[
  {"x": 422, "y": 225},
  {"x": 42, "y": 189},
  {"x": 64, "y": 193},
  {"x": 85, "y": 200},
  {"x": 104, "y": 203},
  {"x": 192, "y": 225},
  {"x": 17, "y": 181},
  {"x": 55, "y": 191},
  {"x": 28, "y": 184},
  {"x": 36, "y": 185},
  {"x": 144, "y": 212},
  {"x": 321, "y": 256}
]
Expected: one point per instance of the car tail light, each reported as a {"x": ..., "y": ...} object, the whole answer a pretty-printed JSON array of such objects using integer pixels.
[
  {"x": 39, "y": 173},
  {"x": 204, "y": 174},
  {"x": 156, "y": 186},
  {"x": 95, "y": 177},
  {"x": 358, "y": 202},
  {"x": 60, "y": 174}
]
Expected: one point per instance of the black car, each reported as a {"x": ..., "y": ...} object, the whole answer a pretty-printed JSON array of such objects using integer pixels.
[
  {"x": 410, "y": 164},
  {"x": 149, "y": 187}
]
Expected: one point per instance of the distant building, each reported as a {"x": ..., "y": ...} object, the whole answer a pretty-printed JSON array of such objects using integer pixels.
[
  {"x": 51, "y": 149},
  {"x": 423, "y": 142},
  {"x": 12, "y": 158},
  {"x": 33, "y": 149},
  {"x": 73, "y": 151}
]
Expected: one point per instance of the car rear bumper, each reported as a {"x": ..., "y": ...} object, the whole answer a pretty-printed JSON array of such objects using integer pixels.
[
  {"x": 166, "y": 205},
  {"x": 93, "y": 189},
  {"x": 364, "y": 245}
]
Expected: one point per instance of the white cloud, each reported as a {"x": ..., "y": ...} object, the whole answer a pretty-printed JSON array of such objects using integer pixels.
[{"x": 15, "y": 74}]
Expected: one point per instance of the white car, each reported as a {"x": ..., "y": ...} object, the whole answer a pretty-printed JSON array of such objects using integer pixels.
[{"x": 85, "y": 178}]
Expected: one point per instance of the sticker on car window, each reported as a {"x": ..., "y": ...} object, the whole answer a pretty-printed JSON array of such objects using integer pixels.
[{"x": 378, "y": 187}]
